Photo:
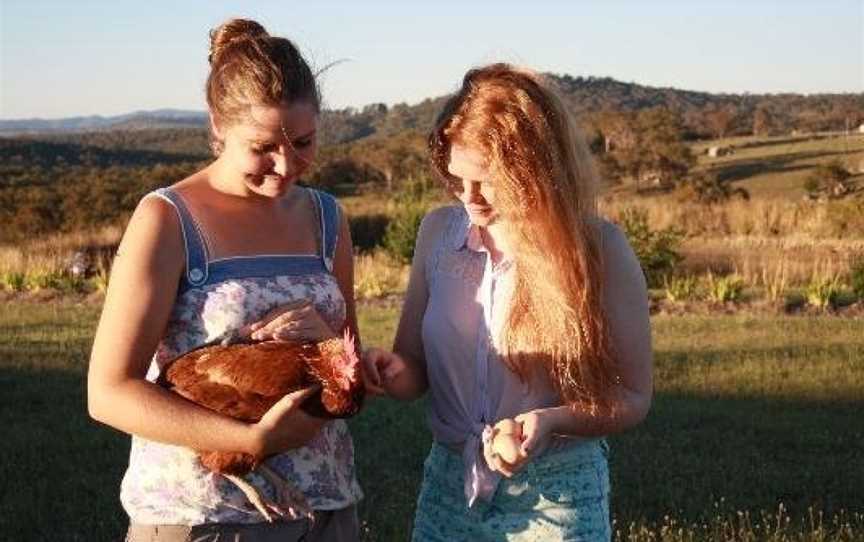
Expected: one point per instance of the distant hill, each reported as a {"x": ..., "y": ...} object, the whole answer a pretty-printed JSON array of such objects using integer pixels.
[
  {"x": 586, "y": 96},
  {"x": 138, "y": 120}
]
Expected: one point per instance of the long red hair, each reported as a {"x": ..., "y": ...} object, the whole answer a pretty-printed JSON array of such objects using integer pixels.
[{"x": 545, "y": 185}]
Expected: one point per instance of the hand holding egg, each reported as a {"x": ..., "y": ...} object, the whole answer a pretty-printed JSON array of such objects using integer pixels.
[{"x": 507, "y": 440}]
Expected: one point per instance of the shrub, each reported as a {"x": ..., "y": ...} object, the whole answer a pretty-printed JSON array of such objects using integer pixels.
[
  {"x": 856, "y": 276},
  {"x": 657, "y": 250},
  {"x": 823, "y": 291},
  {"x": 13, "y": 280},
  {"x": 401, "y": 233},
  {"x": 70, "y": 283},
  {"x": 42, "y": 279},
  {"x": 832, "y": 179},
  {"x": 681, "y": 288},
  {"x": 410, "y": 204},
  {"x": 708, "y": 189},
  {"x": 367, "y": 231},
  {"x": 102, "y": 274},
  {"x": 724, "y": 289}
]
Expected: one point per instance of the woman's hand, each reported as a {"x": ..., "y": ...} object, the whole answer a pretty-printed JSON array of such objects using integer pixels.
[
  {"x": 295, "y": 321},
  {"x": 285, "y": 426},
  {"x": 381, "y": 371},
  {"x": 536, "y": 429}
]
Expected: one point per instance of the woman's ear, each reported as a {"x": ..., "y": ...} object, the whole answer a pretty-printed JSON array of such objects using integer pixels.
[
  {"x": 214, "y": 127},
  {"x": 217, "y": 142}
]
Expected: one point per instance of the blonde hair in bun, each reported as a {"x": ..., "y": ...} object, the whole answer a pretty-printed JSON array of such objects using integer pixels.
[
  {"x": 249, "y": 67},
  {"x": 230, "y": 32}
]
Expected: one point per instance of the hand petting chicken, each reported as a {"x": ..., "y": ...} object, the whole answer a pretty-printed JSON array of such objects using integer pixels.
[{"x": 243, "y": 377}]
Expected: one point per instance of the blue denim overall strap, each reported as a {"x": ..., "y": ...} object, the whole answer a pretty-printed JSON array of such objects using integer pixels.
[
  {"x": 330, "y": 220},
  {"x": 193, "y": 241},
  {"x": 201, "y": 270}
]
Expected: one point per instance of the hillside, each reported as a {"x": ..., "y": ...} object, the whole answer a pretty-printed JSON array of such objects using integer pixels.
[{"x": 586, "y": 96}]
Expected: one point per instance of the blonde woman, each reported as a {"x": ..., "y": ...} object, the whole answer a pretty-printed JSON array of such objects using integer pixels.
[
  {"x": 523, "y": 305},
  {"x": 235, "y": 245}
]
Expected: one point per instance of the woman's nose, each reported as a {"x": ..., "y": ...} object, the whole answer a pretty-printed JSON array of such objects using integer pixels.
[{"x": 281, "y": 162}]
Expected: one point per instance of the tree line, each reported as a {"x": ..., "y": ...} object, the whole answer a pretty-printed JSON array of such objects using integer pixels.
[{"x": 64, "y": 182}]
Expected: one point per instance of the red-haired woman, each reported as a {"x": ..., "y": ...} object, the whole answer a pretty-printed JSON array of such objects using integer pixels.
[{"x": 522, "y": 305}]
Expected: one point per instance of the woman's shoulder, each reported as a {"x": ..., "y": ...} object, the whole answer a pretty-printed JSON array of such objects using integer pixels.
[
  {"x": 188, "y": 188},
  {"x": 617, "y": 253},
  {"x": 440, "y": 218},
  {"x": 437, "y": 225},
  {"x": 610, "y": 235},
  {"x": 329, "y": 202},
  {"x": 161, "y": 210}
]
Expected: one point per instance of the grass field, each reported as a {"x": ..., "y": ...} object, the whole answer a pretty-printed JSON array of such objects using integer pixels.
[
  {"x": 755, "y": 433},
  {"x": 776, "y": 167}
]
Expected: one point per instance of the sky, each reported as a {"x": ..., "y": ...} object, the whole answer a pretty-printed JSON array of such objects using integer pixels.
[{"x": 93, "y": 57}]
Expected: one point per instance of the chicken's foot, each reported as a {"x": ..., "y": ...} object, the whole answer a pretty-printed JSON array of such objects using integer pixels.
[
  {"x": 267, "y": 508},
  {"x": 291, "y": 500}
]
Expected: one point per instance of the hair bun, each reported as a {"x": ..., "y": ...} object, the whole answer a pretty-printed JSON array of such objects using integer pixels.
[{"x": 231, "y": 32}]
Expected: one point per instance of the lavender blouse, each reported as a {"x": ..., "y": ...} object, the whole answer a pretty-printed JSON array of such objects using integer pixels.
[{"x": 469, "y": 387}]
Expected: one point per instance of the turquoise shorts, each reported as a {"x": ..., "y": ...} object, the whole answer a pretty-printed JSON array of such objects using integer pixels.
[{"x": 561, "y": 495}]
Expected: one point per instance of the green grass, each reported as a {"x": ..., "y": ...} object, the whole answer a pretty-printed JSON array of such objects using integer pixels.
[
  {"x": 751, "y": 412},
  {"x": 777, "y": 167}
]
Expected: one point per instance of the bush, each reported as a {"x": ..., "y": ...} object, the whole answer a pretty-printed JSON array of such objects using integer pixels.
[
  {"x": 708, "y": 189},
  {"x": 725, "y": 289},
  {"x": 42, "y": 279},
  {"x": 367, "y": 231},
  {"x": 657, "y": 250},
  {"x": 402, "y": 231},
  {"x": 823, "y": 291},
  {"x": 70, "y": 283},
  {"x": 681, "y": 288},
  {"x": 13, "y": 280},
  {"x": 831, "y": 179},
  {"x": 856, "y": 276},
  {"x": 416, "y": 195}
]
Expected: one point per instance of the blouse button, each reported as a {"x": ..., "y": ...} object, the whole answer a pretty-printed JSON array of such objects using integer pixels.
[{"x": 196, "y": 274}]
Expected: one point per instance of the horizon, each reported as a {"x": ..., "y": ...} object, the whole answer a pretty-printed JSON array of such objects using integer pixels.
[
  {"x": 410, "y": 104},
  {"x": 148, "y": 61}
]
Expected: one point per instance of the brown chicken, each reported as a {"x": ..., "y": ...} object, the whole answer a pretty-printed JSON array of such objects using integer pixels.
[{"x": 243, "y": 379}]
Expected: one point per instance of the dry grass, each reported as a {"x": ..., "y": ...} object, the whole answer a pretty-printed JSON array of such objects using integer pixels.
[
  {"x": 52, "y": 252},
  {"x": 763, "y": 260},
  {"x": 794, "y": 221},
  {"x": 378, "y": 275}
]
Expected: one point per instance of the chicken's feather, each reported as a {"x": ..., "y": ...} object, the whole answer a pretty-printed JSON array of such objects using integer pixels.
[{"x": 245, "y": 380}]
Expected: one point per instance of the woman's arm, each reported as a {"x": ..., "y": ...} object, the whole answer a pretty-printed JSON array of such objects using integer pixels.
[
  {"x": 403, "y": 372},
  {"x": 343, "y": 270},
  {"x": 140, "y": 297}
]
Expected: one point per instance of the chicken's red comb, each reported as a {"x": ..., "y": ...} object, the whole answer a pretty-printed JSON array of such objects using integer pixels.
[{"x": 349, "y": 344}]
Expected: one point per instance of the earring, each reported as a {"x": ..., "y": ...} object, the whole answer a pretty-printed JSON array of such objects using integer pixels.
[{"x": 216, "y": 146}]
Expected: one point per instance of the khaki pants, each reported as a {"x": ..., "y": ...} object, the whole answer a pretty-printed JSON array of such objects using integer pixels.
[{"x": 330, "y": 526}]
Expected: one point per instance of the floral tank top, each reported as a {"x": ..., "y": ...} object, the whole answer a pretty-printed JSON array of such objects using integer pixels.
[{"x": 166, "y": 484}]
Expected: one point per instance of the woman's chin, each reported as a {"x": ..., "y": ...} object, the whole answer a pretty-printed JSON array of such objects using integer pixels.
[
  {"x": 482, "y": 219},
  {"x": 272, "y": 187}
]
